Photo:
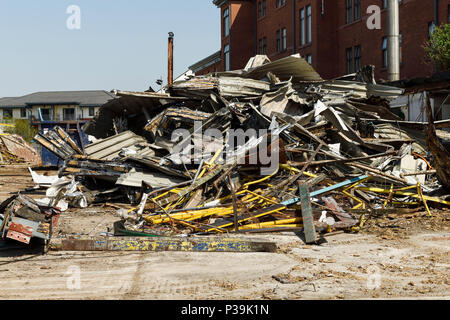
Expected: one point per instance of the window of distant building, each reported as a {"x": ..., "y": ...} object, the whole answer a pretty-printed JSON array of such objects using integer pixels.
[
  {"x": 263, "y": 45},
  {"x": 431, "y": 28},
  {"x": 46, "y": 114},
  {"x": 23, "y": 112},
  {"x": 69, "y": 114},
  {"x": 309, "y": 58},
  {"x": 384, "y": 52},
  {"x": 278, "y": 38},
  {"x": 226, "y": 53},
  {"x": 226, "y": 22},
  {"x": 280, "y": 3},
  {"x": 348, "y": 11},
  {"x": 357, "y": 53},
  {"x": 262, "y": 9},
  {"x": 281, "y": 39},
  {"x": 305, "y": 25},
  {"x": 91, "y": 111},
  {"x": 308, "y": 24},
  {"x": 400, "y": 44},
  {"x": 349, "y": 60},
  {"x": 448, "y": 13},
  {"x": 357, "y": 10},
  {"x": 302, "y": 27},
  {"x": 7, "y": 113}
]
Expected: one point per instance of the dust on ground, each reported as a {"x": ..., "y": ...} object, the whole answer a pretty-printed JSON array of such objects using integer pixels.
[{"x": 393, "y": 258}]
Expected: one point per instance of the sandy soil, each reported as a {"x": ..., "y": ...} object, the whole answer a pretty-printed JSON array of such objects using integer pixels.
[{"x": 408, "y": 258}]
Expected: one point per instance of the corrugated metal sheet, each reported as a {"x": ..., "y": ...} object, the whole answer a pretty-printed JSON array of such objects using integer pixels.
[
  {"x": 362, "y": 90},
  {"x": 109, "y": 148},
  {"x": 157, "y": 180},
  {"x": 293, "y": 67},
  {"x": 226, "y": 86}
]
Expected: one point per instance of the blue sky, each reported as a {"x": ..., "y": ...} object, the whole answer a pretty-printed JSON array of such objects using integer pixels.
[{"x": 121, "y": 44}]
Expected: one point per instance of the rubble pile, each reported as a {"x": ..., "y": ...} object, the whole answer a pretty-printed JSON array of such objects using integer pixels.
[
  {"x": 269, "y": 148},
  {"x": 14, "y": 150}
]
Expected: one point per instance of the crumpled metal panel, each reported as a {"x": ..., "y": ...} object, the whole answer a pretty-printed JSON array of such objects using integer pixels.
[{"x": 109, "y": 148}]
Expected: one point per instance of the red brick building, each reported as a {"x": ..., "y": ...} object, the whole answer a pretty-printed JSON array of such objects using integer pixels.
[{"x": 333, "y": 35}]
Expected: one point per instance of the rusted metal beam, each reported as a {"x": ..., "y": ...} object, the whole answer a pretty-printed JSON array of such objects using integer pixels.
[
  {"x": 197, "y": 244},
  {"x": 170, "y": 66}
]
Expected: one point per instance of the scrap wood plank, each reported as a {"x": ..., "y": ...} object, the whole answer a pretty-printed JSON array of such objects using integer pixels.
[
  {"x": 308, "y": 220},
  {"x": 195, "y": 244}
]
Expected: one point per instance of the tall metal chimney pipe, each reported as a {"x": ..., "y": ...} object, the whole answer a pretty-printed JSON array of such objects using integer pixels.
[
  {"x": 393, "y": 41},
  {"x": 170, "y": 65}
]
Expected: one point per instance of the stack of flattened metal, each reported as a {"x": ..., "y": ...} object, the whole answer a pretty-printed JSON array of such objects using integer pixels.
[{"x": 59, "y": 143}]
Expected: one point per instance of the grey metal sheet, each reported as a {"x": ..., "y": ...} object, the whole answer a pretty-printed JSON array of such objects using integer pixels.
[
  {"x": 157, "y": 180},
  {"x": 109, "y": 148}
]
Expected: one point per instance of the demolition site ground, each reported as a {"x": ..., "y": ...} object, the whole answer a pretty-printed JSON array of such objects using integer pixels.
[{"x": 394, "y": 257}]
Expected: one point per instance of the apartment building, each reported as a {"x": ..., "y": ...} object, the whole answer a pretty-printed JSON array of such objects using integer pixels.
[{"x": 336, "y": 36}]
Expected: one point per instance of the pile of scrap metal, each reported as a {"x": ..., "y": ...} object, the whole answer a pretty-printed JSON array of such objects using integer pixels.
[
  {"x": 22, "y": 218},
  {"x": 14, "y": 150},
  {"x": 272, "y": 147}
]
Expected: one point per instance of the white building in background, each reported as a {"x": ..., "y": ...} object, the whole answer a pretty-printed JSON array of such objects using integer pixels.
[{"x": 55, "y": 106}]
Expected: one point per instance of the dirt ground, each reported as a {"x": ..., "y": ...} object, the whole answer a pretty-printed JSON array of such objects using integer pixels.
[{"x": 400, "y": 258}]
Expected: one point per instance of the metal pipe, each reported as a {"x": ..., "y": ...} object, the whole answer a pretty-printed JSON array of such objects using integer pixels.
[
  {"x": 393, "y": 41},
  {"x": 294, "y": 28},
  {"x": 436, "y": 12},
  {"x": 170, "y": 66}
]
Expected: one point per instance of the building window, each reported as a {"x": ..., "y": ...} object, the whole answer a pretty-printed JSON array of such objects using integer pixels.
[
  {"x": 226, "y": 22},
  {"x": 261, "y": 8},
  {"x": 7, "y": 113},
  {"x": 23, "y": 112},
  {"x": 263, "y": 45},
  {"x": 45, "y": 113},
  {"x": 448, "y": 13},
  {"x": 400, "y": 40},
  {"x": 348, "y": 11},
  {"x": 308, "y": 24},
  {"x": 278, "y": 41},
  {"x": 302, "y": 27},
  {"x": 280, "y": 3},
  {"x": 91, "y": 111},
  {"x": 69, "y": 114},
  {"x": 349, "y": 58},
  {"x": 357, "y": 10},
  {"x": 226, "y": 53},
  {"x": 384, "y": 52},
  {"x": 309, "y": 58},
  {"x": 281, "y": 40},
  {"x": 431, "y": 28},
  {"x": 357, "y": 58}
]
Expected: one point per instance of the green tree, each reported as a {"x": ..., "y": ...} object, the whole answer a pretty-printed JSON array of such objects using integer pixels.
[
  {"x": 24, "y": 129},
  {"x": 438, "y": 48}
]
